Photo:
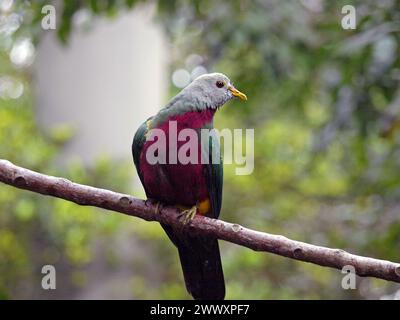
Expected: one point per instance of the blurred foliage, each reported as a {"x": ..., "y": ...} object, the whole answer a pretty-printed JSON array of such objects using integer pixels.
[{"x": 325, "y": 106}]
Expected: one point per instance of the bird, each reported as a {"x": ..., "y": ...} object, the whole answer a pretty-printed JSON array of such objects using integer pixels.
[{"x": 194, "y": 187}]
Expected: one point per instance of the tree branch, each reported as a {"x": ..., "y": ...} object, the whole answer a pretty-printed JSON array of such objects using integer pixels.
[{"x": 85, "y": 195}]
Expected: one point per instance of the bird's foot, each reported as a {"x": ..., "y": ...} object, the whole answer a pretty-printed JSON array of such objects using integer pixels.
[
  {"x": 157, "y": 204},
  {"x": 158, "y": 207},
  {"x": 187, "y": 215}
]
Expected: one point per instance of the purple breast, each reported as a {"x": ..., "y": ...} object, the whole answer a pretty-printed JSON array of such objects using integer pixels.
[{"x": 177, "y": 184}]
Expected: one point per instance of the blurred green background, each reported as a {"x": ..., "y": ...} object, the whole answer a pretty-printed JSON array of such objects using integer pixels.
[{"x": 325, "y": 106}]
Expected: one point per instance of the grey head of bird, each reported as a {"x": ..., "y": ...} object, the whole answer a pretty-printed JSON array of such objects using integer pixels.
[
  {"x": 211, "y": 91},
  {"x": 207, "y": 92}
]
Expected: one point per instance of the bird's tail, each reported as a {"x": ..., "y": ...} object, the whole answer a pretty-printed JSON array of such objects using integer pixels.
[{"x": 201, "y": 265}]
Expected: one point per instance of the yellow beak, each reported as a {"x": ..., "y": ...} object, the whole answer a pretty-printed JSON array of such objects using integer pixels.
[{"x": 237, "y": 93}]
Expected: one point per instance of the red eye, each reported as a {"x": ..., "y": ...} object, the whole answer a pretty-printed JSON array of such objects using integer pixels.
[{"x": 219, "y": 84}]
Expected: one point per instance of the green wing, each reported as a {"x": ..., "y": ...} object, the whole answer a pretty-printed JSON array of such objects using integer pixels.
[
  {"x": 214, "y": 175},
  {"x": 137, "y": 146}
]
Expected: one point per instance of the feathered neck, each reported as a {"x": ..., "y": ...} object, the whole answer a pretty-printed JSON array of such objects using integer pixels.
[{"x": 186, "y": 105}]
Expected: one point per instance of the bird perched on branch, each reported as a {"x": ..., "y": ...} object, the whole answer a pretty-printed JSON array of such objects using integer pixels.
[{"x": 193, "y": 186}]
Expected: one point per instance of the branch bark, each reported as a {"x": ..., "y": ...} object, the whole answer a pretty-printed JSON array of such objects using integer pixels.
[{"x": 259, "y": 241}]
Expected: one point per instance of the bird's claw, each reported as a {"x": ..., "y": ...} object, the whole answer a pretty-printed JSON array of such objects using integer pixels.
[
  {"x": 158, "y": 208},
  {"x": 187, "y": 215},
  {"x": 155, "y": 203}
]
